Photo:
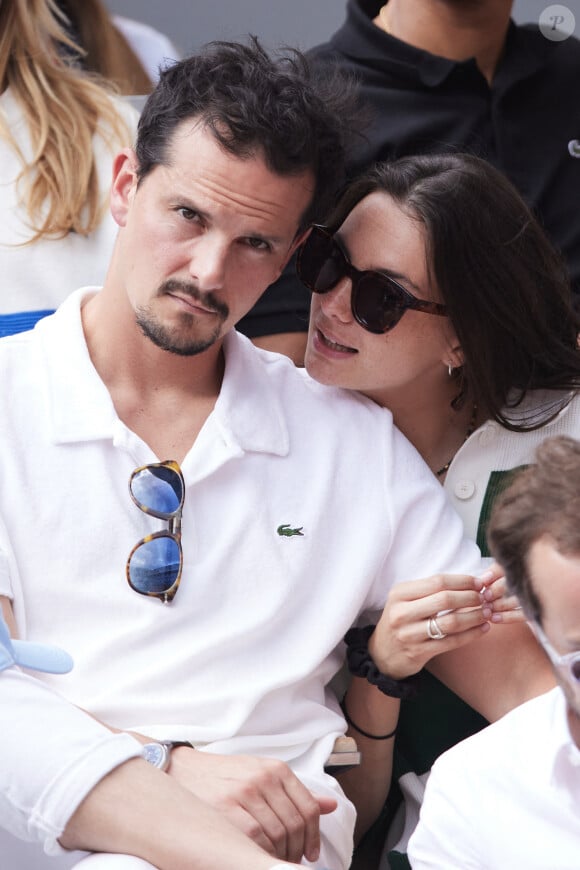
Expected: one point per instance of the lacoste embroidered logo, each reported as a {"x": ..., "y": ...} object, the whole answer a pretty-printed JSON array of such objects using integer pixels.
[{"x": 287, "y": 531}]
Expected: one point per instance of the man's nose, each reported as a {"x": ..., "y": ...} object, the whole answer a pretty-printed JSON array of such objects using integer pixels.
[{"x": 208, "y": 264}]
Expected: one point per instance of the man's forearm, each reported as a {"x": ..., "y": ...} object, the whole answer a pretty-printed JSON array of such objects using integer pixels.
[
  {"x": 139, "y": 810},
  {"x": 51, "y": 756}
]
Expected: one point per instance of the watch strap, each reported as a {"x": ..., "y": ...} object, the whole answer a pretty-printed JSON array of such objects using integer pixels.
[{"x": 173, "y": 744}]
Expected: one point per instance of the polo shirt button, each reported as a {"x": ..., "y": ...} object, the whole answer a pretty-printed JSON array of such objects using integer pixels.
[
  {"x": 487, "y": 436},
  {"x": 464, "y": 489}
]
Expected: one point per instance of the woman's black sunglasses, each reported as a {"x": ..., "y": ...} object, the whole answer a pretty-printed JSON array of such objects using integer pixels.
[{"x": 377, "y": 301}]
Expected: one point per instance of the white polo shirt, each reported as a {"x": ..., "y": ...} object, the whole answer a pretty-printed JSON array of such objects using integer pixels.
[
  {"x": 239, "y": 662},
  {"x": 507, "y": 797}
]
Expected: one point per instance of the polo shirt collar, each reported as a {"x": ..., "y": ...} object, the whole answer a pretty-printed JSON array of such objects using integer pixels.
[
  {"x": 361, "y": 40},
  {"x": 564, "y": 757},
  {"x": 80, "y": 407},
  {"x": 248, "y": 411}
]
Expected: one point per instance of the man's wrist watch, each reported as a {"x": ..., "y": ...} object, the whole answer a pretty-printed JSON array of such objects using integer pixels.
[{"x": 159, "y": 754}]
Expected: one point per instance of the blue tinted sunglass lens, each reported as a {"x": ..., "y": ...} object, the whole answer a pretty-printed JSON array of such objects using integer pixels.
[
  {"x": 158, "y": 488},
  {"x": 154, "y": 566}
]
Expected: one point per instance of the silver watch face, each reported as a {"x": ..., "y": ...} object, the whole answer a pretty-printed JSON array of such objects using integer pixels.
[{"x": 156, "y": 754}]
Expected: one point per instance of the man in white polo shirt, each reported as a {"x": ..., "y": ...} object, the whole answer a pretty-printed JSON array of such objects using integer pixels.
[
  {"x": 206, "y": 603},
  {"x": 510, "y": 795},
  {"x": 208, "y": 838}
]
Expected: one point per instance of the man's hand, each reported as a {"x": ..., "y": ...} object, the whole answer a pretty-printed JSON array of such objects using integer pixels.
[{"x": 260, "y": 796}]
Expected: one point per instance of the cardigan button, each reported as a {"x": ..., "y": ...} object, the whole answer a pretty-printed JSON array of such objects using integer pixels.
[{"x": 464, "y": 489}]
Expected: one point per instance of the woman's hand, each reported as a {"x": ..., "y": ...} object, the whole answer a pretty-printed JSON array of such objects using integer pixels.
[
  {"x": 506, "y": 608},
  {"x": 459, "y": 606}
]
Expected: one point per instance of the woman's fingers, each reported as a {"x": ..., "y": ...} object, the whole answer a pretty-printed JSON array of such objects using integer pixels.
[
  {"x": 453, "y": 623},
  {"x": 430, "y": 605},
  {"x": 412, "y": 590},
  {"x": 401, "y": 644},
  {"x": 506, "y": 608}
]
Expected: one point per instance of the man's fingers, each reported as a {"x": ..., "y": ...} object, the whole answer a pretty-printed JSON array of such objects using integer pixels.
[
  {"x": 252, "y": 828},
  {"x": 262, "y": 797},
  {"x": 326, "y": 804},
  {"x": 286, "y": 812},
  {"x": 308, "y": 808}
]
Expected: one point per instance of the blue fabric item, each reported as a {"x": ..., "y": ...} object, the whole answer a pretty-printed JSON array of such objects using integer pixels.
[
  {"x": 20, "y": 321},
  {"x": 39, "y": 656}
]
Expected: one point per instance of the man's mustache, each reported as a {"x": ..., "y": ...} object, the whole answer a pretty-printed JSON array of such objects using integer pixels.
[{"x": 207, "y": 300}]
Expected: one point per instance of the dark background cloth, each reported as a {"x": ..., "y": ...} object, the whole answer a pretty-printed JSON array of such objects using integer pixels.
[{"x": 423, "y": 104}]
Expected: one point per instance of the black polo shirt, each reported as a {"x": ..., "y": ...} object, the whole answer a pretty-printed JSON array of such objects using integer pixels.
[{"x": 525, "y": 123}]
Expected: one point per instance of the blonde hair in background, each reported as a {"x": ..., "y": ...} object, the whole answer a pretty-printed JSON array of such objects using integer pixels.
[
  {"x": 106, "y": 51},
  {"x": 62, "y": 107}
]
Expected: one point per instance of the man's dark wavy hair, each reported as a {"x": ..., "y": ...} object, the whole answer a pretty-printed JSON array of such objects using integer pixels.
[{"x": 297, "y": 115}]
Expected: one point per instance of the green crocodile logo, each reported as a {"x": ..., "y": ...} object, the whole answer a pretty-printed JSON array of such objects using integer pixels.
[{"x": 286, "y": 531}]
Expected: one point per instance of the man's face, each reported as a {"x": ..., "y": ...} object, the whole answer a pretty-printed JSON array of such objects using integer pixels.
[
  {"x": 202, "y": 237},
  {"x": 556, "y": 581}
]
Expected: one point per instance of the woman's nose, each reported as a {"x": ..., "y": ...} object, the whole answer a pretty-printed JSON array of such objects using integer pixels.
[{"x": 337, "y": 302}]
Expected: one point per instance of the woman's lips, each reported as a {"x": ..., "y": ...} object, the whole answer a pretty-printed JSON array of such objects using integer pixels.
[{"x": 333, "y": 346}]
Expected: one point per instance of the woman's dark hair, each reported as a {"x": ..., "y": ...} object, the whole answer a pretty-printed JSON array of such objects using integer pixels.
[
  {"x": 299, "y": 116},
  {"x": 506, "y": 288}
]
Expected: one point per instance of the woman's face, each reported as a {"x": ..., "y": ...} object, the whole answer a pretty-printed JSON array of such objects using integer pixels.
[{"x": 379, "y": 235}]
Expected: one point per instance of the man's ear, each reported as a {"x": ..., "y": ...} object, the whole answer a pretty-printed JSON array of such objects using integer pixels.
[{"x": 124, "y": 184}]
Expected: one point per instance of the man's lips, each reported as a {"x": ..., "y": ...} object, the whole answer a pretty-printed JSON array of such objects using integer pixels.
[{"x": 192, "y": 303}]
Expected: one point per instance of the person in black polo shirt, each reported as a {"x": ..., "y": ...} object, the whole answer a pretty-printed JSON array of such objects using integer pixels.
[{"x": 456, "y": 75}]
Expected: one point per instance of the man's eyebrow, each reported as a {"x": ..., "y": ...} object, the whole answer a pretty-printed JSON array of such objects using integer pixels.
[
  {"x": 183, "y": 201},
  {"x": 186, "y": 202},
  {"x": 271, "y": 240}
]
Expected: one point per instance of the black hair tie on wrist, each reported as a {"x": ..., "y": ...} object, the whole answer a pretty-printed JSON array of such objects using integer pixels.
[
  {"x": 360, "y": 730},
  {"x": 360, "y": 664}
]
